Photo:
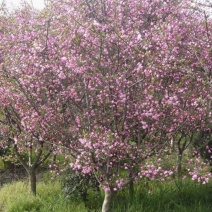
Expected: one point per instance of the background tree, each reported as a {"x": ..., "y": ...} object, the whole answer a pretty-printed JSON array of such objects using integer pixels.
[{"x": 22, "y": 125}]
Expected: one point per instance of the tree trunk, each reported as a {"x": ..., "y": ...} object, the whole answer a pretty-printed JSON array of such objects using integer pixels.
[
  {"x": 107, "y": 204},
  {"x": 32, "y": 180},
  {"x": 179, "y": 165},
  {"x": 171, "y": 146},
  {"x": 131, "y": 190}
]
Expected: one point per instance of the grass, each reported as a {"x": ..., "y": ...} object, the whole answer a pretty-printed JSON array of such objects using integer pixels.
[
  {"x": 167, "y": 196},
  {"x": 15, "y": 197},
  {"x": 179, "y": 196}
]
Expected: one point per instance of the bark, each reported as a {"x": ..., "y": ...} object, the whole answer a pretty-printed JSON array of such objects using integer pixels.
[
  {"x": 179, "y": 165},
  {"x": 32, "y": 165},
  {"x": 131, "y": 190},
  {"x": 171, "y": 146},
  {"x": 107, "y": 204},
  {"x": 32, "y": 180}
]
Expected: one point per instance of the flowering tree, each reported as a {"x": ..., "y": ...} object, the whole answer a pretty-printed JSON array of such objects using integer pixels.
[
  {"x": 112, "y": 80},
  {"x": 22, "y": 116},
  {"x": 145, "y": 71}
]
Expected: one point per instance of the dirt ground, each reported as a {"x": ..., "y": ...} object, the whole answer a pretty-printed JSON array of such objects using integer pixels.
[{"x": 12, "y": 174}]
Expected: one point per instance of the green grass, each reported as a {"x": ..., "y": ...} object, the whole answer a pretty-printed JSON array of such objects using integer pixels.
[
  {"x": 179, "y": 196},
  {"x": 182, "y": 196},
  {"x": 15, "y": 197}
]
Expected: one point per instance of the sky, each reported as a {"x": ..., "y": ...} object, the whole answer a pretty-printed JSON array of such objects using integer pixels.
[{"x": 38, "y": 4}]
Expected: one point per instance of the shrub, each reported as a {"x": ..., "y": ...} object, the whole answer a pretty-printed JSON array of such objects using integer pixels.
[{"x": 77, "y": 185}]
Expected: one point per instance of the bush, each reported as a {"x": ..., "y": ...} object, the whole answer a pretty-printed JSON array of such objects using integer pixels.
[
  {"x": 203, "y": 143},
  {"x": 76, "y": 185}
]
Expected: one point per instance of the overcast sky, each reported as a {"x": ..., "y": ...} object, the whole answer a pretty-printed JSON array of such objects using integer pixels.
[{"x": 38, "y": 4}]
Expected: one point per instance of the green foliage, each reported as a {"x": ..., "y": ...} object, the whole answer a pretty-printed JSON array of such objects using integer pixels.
[
  {"x": 10, "y": 159},
  {"x": 46, "y": 176},
  {"x": 76, "y": 185},
  {"x": 203, "y": 143},
  {"x": 2, "y": 166}
]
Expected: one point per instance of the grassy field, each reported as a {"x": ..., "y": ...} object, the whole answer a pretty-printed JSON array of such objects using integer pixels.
[{"x": 182, "y": 196}]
